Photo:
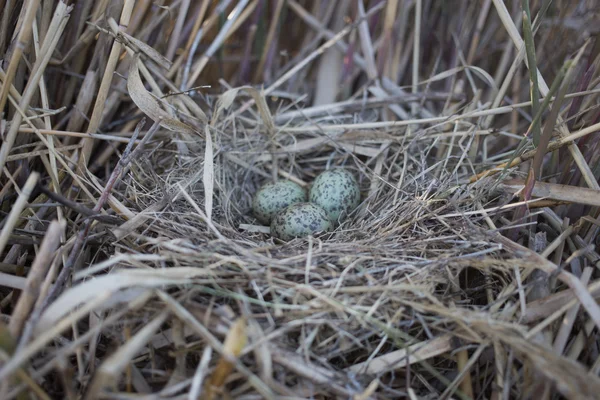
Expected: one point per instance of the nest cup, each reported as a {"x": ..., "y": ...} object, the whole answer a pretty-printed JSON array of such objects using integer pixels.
[
  {"x": 240, "y": 169},
  {"x": 244, "y": 163},
  {"x": 303, "y": 168}
]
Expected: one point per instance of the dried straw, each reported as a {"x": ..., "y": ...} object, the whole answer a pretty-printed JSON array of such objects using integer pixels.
[{"x": 132, "y": 265}]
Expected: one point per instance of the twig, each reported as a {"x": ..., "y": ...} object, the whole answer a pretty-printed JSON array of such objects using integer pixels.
[
  {"x": 128, "y": 155},
  {"x": 79, "y": 208}
]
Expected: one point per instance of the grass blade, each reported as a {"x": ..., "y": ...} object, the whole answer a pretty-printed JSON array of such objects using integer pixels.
[
  {"x": 540, "y": 15},
  {"x": 556, "y": 84},
  {"x": 531, "y": 60},
  {"x": 552, "y": 118}
]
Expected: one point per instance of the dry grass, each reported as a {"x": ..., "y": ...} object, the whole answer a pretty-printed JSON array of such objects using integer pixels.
[{"x": 135, "y": 134}]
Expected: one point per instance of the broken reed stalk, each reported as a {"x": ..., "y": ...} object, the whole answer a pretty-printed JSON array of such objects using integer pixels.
[
  {"x": 107, "y": 78},
  {"x": 109, "y": 371},
  {"x": 462, "y": 365},
  {"x": 20, "y": 45},
  {"x": 232, "y": 347},
  {"x": 61, "y": 16}
]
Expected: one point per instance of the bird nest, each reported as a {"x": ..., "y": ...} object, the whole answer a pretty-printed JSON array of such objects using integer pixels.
[{"x": 154, "y": 279}]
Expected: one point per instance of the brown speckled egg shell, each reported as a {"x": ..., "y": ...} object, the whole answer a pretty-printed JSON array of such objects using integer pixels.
[
  {"x": 337, "y": 192},
  {"x": 300, "y": 220},
  {"x": 271, "y": 198}
]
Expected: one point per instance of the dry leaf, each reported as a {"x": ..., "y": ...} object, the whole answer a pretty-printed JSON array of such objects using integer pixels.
[
  {"x": 114, "y": 282},
  {"x": 227, "y": 98},
  {"x": 139, "y": 46},
  {"x": 149, "y": 104},
  {"x": 234, "y": 344}
]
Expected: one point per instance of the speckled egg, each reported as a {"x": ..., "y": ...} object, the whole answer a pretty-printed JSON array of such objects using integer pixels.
[
  {"x": 274, "y": 197},
  {"x": 337, "y": 192},
  {"x": 299, "y": 220}
]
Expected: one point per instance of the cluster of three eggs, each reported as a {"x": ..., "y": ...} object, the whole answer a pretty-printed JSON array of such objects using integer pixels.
[{"x": 283, "y": 204}]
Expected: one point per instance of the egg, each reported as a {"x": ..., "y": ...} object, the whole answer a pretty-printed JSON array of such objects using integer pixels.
[
  {"x": 337, "y": 192},
  {"x": 271, "y": 198},
  {"x": 300, "y": 220}
]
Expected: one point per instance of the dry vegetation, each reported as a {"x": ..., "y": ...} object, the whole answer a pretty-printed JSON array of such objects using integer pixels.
[{"x": 134, "y": 134}]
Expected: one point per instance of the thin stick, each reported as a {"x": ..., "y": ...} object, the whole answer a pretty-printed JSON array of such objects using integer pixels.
[
  {"x": 483, "y": 14},
  {"x": 193, "y": 43},
  {"x": 217, "y": 41},
  {"x": 196, "y": 27},
  {"x": 78, "y": 208},
  {"x": 51, "y": 32},
  {"x": 14, "y": 93},
  {"x": 128, "y": 155}
]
